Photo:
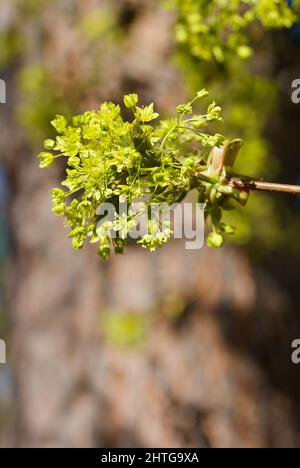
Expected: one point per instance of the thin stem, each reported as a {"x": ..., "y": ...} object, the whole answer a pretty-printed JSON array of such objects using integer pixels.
[{"x": 263, "y": 186}]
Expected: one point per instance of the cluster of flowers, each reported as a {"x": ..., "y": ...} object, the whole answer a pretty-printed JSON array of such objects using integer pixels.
[{"x": 110, "y": 160}]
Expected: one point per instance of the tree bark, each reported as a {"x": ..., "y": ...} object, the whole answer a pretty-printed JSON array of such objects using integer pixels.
[{"x": 214, "y": 368}]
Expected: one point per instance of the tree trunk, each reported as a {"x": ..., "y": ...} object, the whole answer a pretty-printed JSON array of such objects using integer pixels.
[{"x": 213, "y": 369}]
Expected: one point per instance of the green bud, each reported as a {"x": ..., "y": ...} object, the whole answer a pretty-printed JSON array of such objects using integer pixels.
[
  {"x": 49, "y": 144},
  {"x": 131, "y": 100},
  {"x": 228, "y": 229},
  {"x": 184, "y": 109},
  {"x": 46, "y": 159},
  {"x": 108, "y": 193},
  {"x": 58, "y": 209},
  {"x": 202, "y": 93},
  {"x": 225, "y": 189},
  {"x": 58, "y": 195},
  {"x": 215, "y": 240},
  {"x": 77, "y": 243},
  {"x": 73, "y": 161},
  {"x": 59, "y": 123},
  {"x": 104, "y": 252}
]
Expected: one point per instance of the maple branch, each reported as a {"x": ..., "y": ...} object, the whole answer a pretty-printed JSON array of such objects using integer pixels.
[{"x": 249, "y": 184}]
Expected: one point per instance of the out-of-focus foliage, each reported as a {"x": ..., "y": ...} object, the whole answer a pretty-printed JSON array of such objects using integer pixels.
[
  {"x": 218, "y": 29},
  {"x": 38, "y": 101},
  {"x": 124, "y": 328},
  {"x": 46, "y": 89},
  {"x": 10, "y": 46},
  {"x": 220, "y": 45},
  {"x": 98, "y": 25}
]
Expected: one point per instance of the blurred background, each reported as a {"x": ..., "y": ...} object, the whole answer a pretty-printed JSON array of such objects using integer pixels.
[{"x": 173, "y": 349}]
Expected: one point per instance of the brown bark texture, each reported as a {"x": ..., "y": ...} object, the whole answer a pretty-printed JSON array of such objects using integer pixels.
[{"x": 213, "y": 368}]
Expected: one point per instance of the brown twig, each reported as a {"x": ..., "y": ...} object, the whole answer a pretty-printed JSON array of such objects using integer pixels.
[{"x": 249, "y": 184}]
